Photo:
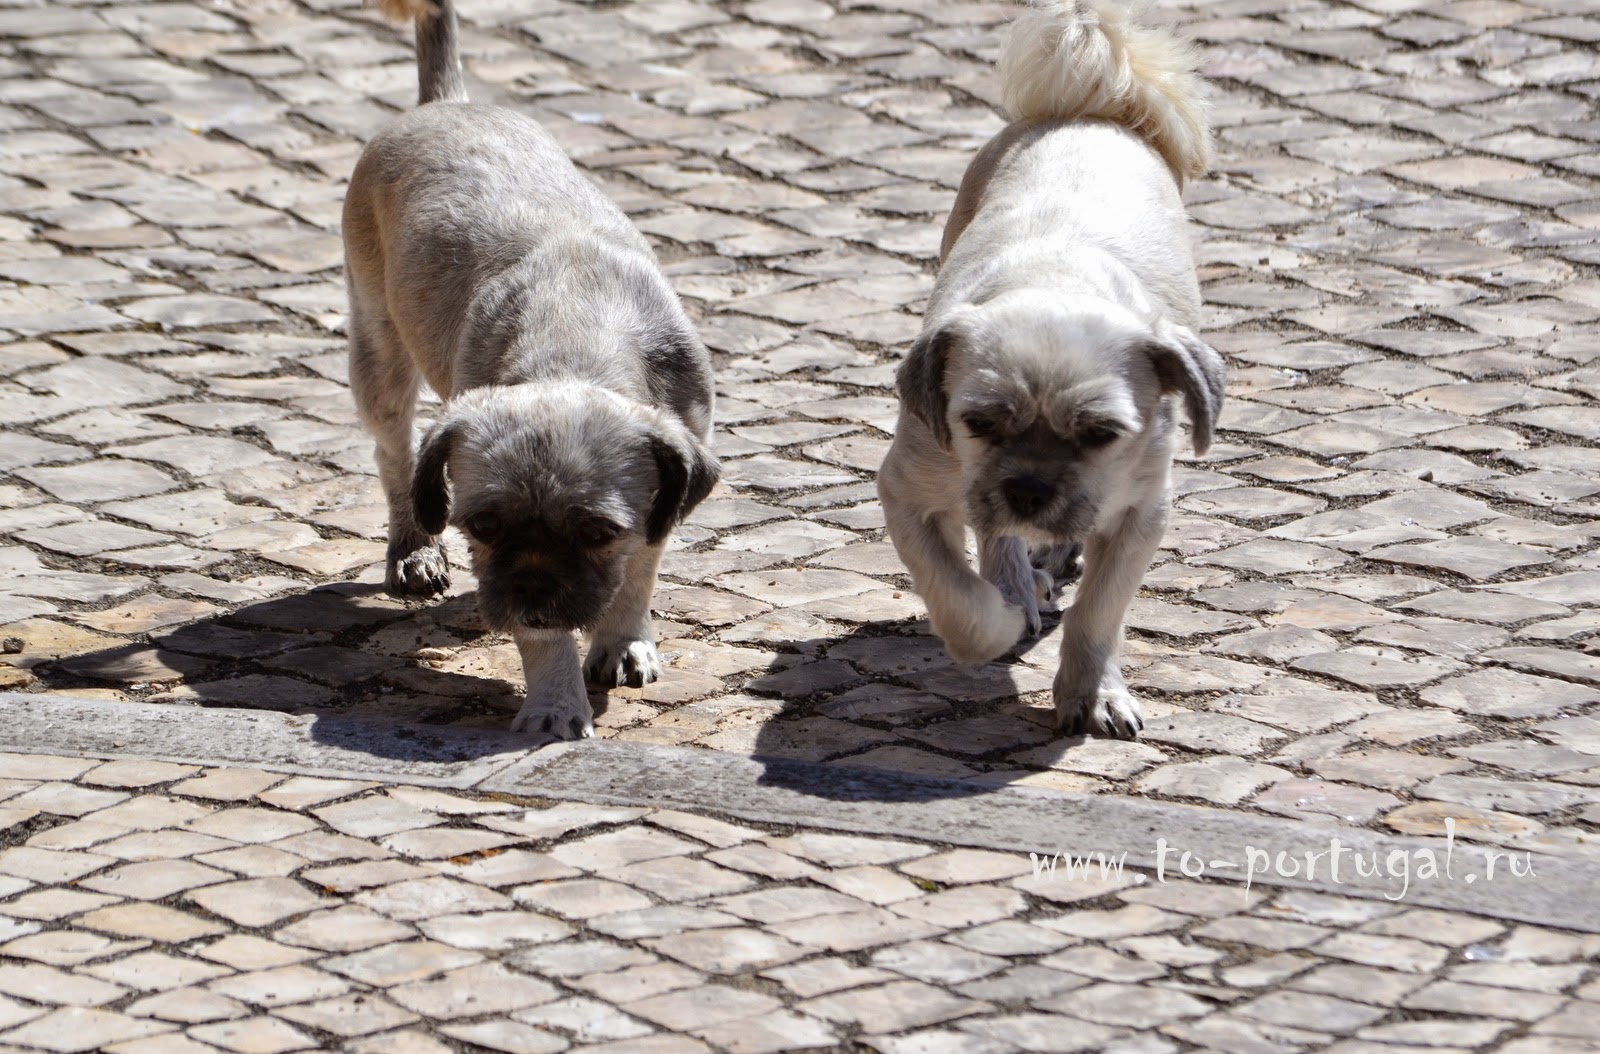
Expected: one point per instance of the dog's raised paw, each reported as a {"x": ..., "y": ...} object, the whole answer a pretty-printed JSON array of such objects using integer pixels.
[
  {"x": 986, "y": 631},
  {"x": 423, "y": 572},
  {"x": 619, "y": 663}
]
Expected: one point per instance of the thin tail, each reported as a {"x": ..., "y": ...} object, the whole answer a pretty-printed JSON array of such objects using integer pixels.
[
  {"x": 438, "y": 53},
  {"x": 1067, "y": 60}
]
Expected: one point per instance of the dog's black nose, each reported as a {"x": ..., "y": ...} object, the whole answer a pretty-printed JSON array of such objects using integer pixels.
[
  {"x": 1026, "y": 494},
  {"x": 537, "y": 583}
]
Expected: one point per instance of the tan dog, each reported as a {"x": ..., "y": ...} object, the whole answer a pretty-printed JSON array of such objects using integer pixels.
[
  {"x": 578, "y": 396},
  {"x": 1037, "y": 405}
]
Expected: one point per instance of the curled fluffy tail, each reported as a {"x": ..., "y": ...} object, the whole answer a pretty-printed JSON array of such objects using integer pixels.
[
  {"x": 438, "y": 54},
  {"x": 1066, "y": 60}
]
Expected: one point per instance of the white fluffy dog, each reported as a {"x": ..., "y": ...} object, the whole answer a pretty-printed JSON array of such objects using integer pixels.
[{"x": 1037, "y": 406}]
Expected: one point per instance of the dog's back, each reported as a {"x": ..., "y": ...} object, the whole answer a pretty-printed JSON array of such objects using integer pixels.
[
  {"x": 467, "y": 223},
  {"x": 1108, "y": 122}
]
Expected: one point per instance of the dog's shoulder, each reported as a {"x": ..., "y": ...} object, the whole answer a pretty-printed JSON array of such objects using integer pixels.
[{"x": 678, "y": 370}]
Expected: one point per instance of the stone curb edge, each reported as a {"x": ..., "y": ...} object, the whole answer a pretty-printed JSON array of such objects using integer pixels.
[{"x": 830, "y": 797}]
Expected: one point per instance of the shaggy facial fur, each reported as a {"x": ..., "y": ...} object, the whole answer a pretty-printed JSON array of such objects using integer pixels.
[
  {"x": 1039, "y": 403},
  {"x": 561, "y": 486},
  {"x": 578, "y": 396}
]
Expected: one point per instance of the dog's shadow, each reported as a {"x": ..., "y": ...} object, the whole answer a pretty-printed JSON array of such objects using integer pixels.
[
  {"x": 881, "y": 704},
  {"x": 345, "y": 653},
  {"x": 899, "y": 720}
]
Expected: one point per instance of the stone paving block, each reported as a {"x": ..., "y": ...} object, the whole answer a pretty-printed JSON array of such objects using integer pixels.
[
  {"x": 76, "y": 1029},
  {"x": 497, "y": 930},
  {"x": 1392, "y": 952},
  {"x": 620, "y": 848},
  {"x": 892, "y": 1007},
  {"x": 44, "y": 865},
  {"x": 472, "y": 991},
  {"x": 399, "y": 963},
  {"x": 375, "y": 815},
  {"x": 256, "y": 1035},
  {"x": 155, "y": 971},
  {"x": 63, "y": 947},
  {"x": 299, "y": 792},
  {"x": 188, "y": 1006},
  {"x": 280, "y": 985},
  {"x": 507, "y": 1036},
  {"x": 258, "y": 902},
  {"x": 875, "y": 885},
  {"x": 585, "y": 1019},
  {"x": 854, "y": 931},
  {"x": 250, "y": 952},
  {"x": 348, "y": 1015},
  {"x": 424, "y": 898},
  {"x": 707, "y": 829},
  {"x": 152, "y": 921},
  {"x": 676, "y": 878},
  {"x": 45, "y": 984},
  {"x": 960, "y": 866},
  {"x": 696, "y": 1008},
  {"x": 154, "y": 880},
  {"x": 580, "y": 898}
]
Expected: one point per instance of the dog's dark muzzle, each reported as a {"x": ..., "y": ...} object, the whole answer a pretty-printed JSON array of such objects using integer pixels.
[
  {"x": 542, "y": 597},
  {"x": 1026, "y": 495}
]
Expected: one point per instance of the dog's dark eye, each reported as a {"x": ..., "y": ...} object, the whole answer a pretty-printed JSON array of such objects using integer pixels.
[
  {"x": 484, "y": 526},
  {"x": 1098, "y": 436},
  {"x": 598, "y": 531},
  {"x": 981, "y": 427}
]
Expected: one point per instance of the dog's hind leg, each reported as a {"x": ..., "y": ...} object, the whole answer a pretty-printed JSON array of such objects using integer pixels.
[
  {"x": 1004, "y": 562},
  {"x": 622, "y": 648},
  {"x": 384, "y": 384},
  {"x": 557, "y": 703},
  {"x": 1061, "y": 561}
]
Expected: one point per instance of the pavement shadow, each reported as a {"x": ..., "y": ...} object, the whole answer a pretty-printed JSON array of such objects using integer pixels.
[
  {"x": 345, "y": 652},
  {"x": 914, "y": 721},
  {"x": 906, "y": 719}
]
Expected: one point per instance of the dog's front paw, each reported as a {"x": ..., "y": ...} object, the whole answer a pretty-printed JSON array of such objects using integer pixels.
[
  {"x": 985, "y": 630},
  {"x": 615, "y": 663},
  {"x": 1106, "y": 710},
  {"x": 422, "y": 572},
  {"x": 566, "y": 717}
]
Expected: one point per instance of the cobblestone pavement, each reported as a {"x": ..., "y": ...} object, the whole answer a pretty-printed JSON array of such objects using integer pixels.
[
  {"x": 1376, "y": 604},
  {"x": 148, "y": 907}
]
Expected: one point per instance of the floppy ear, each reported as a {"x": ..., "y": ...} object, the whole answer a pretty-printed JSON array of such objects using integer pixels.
[
  {"x": 1185, "y": 363},
  {"x": 687, "y": 472},
  {"x": 430, "y": 498},
  {"x": 920, "y": 381}
]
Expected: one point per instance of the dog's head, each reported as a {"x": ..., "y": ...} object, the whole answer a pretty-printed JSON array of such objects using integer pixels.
[
  {"x": 1054, "y": 407},
  {"x": 556, "y": 487}
]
